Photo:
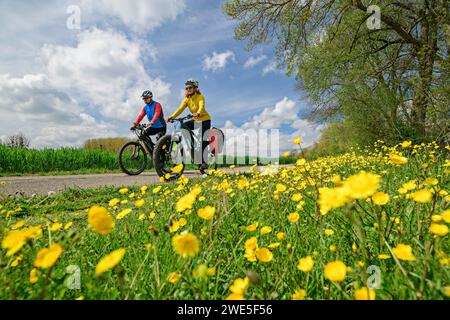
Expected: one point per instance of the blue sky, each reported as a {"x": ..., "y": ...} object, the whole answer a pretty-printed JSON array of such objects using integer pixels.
[{"x": 61, "y": 86}]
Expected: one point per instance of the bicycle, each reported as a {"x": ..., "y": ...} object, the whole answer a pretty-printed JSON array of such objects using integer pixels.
[
  {"x": 170, "y": 153},
  {"x": 133, "y": 155}
]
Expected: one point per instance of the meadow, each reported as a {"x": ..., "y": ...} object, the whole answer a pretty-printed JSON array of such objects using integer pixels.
[
  {"x": 22, "y": 161},
  {"x": 369, "y": 224}
]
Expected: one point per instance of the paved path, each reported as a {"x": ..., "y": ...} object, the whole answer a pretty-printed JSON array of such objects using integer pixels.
[{"x": 43, "y": 185}]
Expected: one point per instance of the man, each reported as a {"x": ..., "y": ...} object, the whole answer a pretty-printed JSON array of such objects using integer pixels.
[{"x": 155, "y": 115}]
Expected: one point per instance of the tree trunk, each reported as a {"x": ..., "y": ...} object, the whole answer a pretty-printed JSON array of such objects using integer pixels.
[{"x": 426, "y": 56}]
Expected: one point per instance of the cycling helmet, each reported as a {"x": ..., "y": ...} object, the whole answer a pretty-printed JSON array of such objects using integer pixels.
[
  {"x": 147, "y": 94},
  {"x": 192, "y": 82}
]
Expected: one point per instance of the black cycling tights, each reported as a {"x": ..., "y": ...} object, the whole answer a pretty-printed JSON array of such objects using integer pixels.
[{"x": 205, "y": 125}]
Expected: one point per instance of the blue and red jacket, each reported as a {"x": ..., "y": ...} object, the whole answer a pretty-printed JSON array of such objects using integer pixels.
[{"x": 154, "y": 113}]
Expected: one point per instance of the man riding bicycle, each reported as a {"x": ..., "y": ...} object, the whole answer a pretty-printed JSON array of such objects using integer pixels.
[
  {"x": 196, "y": 103},
  {"x": 155, "y": 115}
]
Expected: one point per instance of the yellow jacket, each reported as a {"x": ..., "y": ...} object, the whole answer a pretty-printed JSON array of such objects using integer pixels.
[{"x": 196, "y": 104}]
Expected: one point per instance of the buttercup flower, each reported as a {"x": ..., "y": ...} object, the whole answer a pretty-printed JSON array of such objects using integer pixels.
[
  {"x": 186, "y": 244},
  {"x": 109, "y": 261},
  {"x": 404, "y": 252},
  {"x": 335, "y": 271},
  {"x": 100, "y": 220},
  {"x": 47, "y": 257},
  {"x": 305, "y": 264}
]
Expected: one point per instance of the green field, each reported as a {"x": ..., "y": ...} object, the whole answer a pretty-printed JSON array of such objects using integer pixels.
[
  {"x": 317, "y": 230},
  {"x": 21, "y": 161}
]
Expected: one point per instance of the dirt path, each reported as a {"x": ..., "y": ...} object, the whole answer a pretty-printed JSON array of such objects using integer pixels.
[{"x": 43, "y": 185}]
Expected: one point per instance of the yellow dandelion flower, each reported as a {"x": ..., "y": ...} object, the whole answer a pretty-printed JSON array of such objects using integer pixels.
[
  {"x": 422, "y": 196},
  {"x": 174, "y": 277},
  {"x": 299, "y": 294},
  {"x": 335, "y": 271},
  {"x": 139, "y": 203},
  {"x": 186, "y": 244},
  {"x": 397, "y": 159},
  {"x": 280, "y": 235},
  {"x": 157, "y": 189},
  {"x": 329, "y": 232},
  {"x": 280, "y": 187},
  {"x": 47, "y": 257},
  {"x": 56, "y": 226},
  {"x": 403, "y": 252},
  {"x": 297, "y": 140},
  {"x": 384, "y": 256},
  {"x": 380, "y": 198},
  {"x": 296, "y": 197},
  {"x": 440, "y": 230},
  {"x": 431, "y": 181},
  {"x": 252, "y": 227},
  {"x": 406, "y": 144},
  {"x": 109, "y": 261},
  {"x": 293, "y": 217},
  {"x": 100, "y": 220},
  {"x": 362, "y": 185},
  {"x": 446, "y": 215},
  {"x": 122, "y": 214},
  {"x": 446, "y": 291},
  {"x": 266, "y": 230},
  {"x": 264, "y": 255},
  {"x": 16, "y": 261},
  {"x": 206, "y": 213},
  {"x": 240, "y": 285},
  {"x": 365, "y": 294},
  {"x": 305, "y": 264},
  {"x": 68, "y": 225},
  {"x": 113, "y": 202},
  {"x": 235, "y": 296},
  {"x": 123, "y": 191},
  {"x": 34, "y": 275}
]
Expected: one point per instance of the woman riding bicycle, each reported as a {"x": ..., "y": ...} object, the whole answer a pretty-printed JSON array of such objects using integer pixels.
[
  {"x": 154, "y": 113},
  {"x": 196, "y": 103}
]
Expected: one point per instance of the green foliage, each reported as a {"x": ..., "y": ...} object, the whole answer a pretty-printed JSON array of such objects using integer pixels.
[
  {"x": 390, "y": 82},
  {"x": 20, "y": 160}
]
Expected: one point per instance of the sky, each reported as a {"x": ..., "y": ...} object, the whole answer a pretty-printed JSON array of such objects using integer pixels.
[{"x": 66, "y": 78}]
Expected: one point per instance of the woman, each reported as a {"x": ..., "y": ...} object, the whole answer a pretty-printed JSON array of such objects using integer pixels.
[
  {"x": 196, "y": 103},
  {"x": 154, "y": 113}
]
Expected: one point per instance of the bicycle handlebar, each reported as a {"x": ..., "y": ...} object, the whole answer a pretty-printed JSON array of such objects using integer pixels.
[{"x": 188, "y": 117}]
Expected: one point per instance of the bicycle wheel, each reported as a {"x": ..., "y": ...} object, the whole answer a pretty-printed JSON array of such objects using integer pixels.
[
  {"x": 167, "y": 158},
  {"x": 212, "y": 160},
  {"x": 132, "y": 158}
]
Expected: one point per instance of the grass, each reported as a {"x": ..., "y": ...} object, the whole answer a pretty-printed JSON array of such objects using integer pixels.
[
  {"x": 65, "y": 161},
  {"x": 362, "y": 231}
]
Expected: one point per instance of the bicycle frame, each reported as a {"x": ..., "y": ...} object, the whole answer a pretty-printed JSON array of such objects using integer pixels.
[{"x": 183, "y": 135}]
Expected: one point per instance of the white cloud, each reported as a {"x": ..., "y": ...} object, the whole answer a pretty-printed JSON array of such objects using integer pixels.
[
  {"x": 138, "y": 15},
  {"x": 253, "y": 61},
  {"x": 29, "y": 104},
  {"x": 218, "y": 60},
  {"x": 105, "y": 69},
  {"x": 271, "y": 67},
  {"x": 102, "y": 74},
  {"x": 284, "y": 112}
]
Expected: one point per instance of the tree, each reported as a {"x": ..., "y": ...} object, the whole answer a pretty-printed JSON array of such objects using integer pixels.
[
  {"x": 18, "y": 141},
  {"x": 390, "y": 80}
]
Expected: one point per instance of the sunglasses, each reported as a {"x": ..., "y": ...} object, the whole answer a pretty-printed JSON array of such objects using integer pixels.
[
  {"x": 146, "y": 98},
  {"x": 189, "y": 88}
]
